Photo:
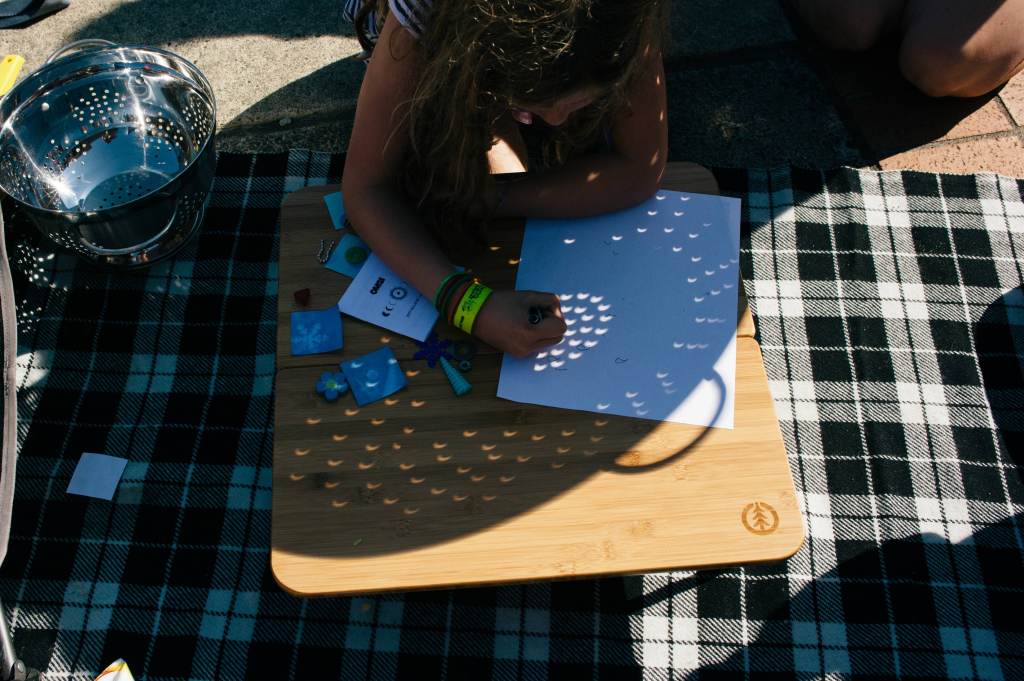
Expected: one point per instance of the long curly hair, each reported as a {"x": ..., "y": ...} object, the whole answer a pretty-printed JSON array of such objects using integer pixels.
[{"x": 483, "y": 56}]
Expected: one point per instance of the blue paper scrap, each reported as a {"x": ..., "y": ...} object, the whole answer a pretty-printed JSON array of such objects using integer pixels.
[
  {"x": 374, "y": 376},
  {"x": 316, "y": 331},
  {"x": 97, "y": 475},
  {"x": 336, "y": 208},
  {"x": 349, "y": 256}
]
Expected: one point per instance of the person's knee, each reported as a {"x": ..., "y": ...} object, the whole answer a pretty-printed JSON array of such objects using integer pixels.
[
  {"x": 942, "y": 70},
  {"x": 850, "y": 26}
]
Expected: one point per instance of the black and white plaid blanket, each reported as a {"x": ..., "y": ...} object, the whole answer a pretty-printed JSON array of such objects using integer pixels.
[{"x": 891, "y": 316}]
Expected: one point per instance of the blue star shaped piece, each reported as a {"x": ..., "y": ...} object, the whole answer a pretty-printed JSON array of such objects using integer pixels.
[
  {"x": 434, "y": 348},
  {"x": 374, "y": 376},
  {"x": 332, "y": 385}
]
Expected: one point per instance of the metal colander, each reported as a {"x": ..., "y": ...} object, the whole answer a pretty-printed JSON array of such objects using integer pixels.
[{"x": 110, "y": 150}]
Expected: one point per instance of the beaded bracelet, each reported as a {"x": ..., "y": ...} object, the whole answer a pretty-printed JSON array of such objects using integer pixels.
[{"x": 452, "y": 290}]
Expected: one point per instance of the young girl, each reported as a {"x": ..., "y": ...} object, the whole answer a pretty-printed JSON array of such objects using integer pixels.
[{"x": 447, "y": 89}]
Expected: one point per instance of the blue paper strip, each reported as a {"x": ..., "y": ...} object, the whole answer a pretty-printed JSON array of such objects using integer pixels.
[{"x": 336, "y": 208}]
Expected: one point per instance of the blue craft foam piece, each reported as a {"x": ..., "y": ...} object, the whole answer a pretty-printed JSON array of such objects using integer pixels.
[
  {"x": 332, "y": 385},
  {"x": 458, "y": 382},
  {"x": 349, "y": 256},
  {"x": 336, "y": 208},
  {"x": 316, "y": 331},
  {"x": 374, "y": 376}
]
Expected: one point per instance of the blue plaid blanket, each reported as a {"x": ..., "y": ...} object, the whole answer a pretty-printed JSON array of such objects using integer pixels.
[{"x": 891, "y": 315}]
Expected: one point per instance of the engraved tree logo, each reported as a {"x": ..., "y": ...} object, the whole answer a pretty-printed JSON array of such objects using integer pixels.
[{"x": 760, "y": 518}]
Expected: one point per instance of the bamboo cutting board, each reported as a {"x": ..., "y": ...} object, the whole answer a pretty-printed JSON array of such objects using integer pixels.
[{"x": 427, "y": 490}]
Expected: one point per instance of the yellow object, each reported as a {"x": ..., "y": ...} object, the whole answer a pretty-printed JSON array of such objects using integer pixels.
[
  {"x": 470, "y": 305},
  {"x": 117, "y": 671},
  {"x": 10, "y": 67}
]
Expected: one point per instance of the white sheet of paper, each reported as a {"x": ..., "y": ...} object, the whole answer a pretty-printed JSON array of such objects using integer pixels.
[
  {"x": 649, "y": 295},
  {"x": 378, "y": 296},
  {"x": 97, "y": 475}
]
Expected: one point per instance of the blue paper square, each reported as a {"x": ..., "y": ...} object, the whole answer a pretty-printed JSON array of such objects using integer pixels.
[
  {"x": 336, "y": 208},
  {"x": 348, "y": 257},
  {"x": 374, "y": 376},
  {"x": 316, "y": 331},
  {"x": 97, "y": 475}
]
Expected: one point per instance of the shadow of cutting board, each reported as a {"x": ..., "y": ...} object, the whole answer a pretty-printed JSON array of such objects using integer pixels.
[{"x": 426, "y": 490}]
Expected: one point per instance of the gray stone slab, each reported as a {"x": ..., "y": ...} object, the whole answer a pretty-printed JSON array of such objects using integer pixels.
[{"x": 756, "y": 114}]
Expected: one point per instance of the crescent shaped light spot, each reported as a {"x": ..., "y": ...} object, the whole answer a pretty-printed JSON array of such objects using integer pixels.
[
  {"x": 698, "y": 299},
  {"x": 684, "y": 198},
  {"x": 606, "y": 318},
  {"x": 443, "y": 458},
  {"x": 641, "y": 230},
  {"x": 693, "y": 235},
  {"x": 733, "y": 260},
  {"x": 603, "y": 308},
  {"x": 312, "y": 421},
  {"x": 301, "y": 452},
  {"x": 642, "y": 412},
  {"x": 565, "y": 296},
  {"x": 596, "y": 299},
  {"x": 670, "y": 391},
  {"x": 410, "y": 511},
  {"x": 706, "y": 224},
  {"x": 637, "y": 403},
  {"x": 406, "y": 466},
  {"x": 616, "y": 237},
  {"x": 372, "y": 384},
  {"x": 574, "y": 342},
  {"x": 586, "y": 329},
  {"x": 692, "y": 346},
  {"x": 568, "y": 241},
  {"x": 478, "y": 478},
  {"x": 542, "y": 355},
  {"x": 487, "y": 448},
  {"x": 709, "y": 272},
  {"x": 726, "y": 285},
  {"x": 365, "y": 466},
  {"x": 667, "y": 384},
  {"x": 600, "y": 332},
  {"x": 494, "y": 457},
  {"x": 579, "y": 309},
  {"x": 587, "y": 317},
  {"x": 416, "y": 481},
  {"x": 652, "y": 213},
  {"x": 602, "y": 405},
  {"x": 339, "y": 438},
  {"x": 715, "y": 291},
  {"x": 723, "y": 266},
  {"x": 702, "y": 346},
  {"x": 334, "y": 463},
  {"x": 459, "y": 497},
  {"x": 660, "y": 197},
  {"x": 631, "y": 394},
  {"x": 679, "y": 213},
  {"x": 438, "y": 490},
  {"x": 408, "y": 430},
  {"x": 575, "y": 355},
  {"x": 677, "y": 249},
  {"x": 669, "y": 230},
  {"x": 570, "y": 321},
  {"x": 589, "y": 343},
  {"x": 556, "y": 364},
  {"x": 351, "y": 412},
  {"x": 677, "y": 345},
  {"x": 373, "y": 485},
  {"x": 462, "y": 470},
  {"x": 507, "y": 478},
  {"x": 582, "y": 296},
  {"x": 662, "y": 374},
  {"x": 540, "y": 367},
  {"x": 338, "y": 504},
  {"x": 691, "y": 279},
  {"x": 558, "y": 352},
  {"x": 390, "y": 501},
  {"x": 296, "y": 476},
  {"x": 699, "y": 320},
  {"x": 695, "y": 258}
]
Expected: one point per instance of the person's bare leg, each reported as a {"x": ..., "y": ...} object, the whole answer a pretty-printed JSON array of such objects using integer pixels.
[
  {"x": 962, "y": 48},
  {"x": 508, "y": 152},
  {"x": 850, "y": 24}
]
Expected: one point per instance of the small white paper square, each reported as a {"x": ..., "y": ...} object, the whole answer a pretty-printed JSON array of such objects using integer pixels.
[{"x": 97, "y": 475}]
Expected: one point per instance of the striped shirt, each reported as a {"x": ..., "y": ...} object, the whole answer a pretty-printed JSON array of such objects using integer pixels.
[{"x": 412, "y": 14}]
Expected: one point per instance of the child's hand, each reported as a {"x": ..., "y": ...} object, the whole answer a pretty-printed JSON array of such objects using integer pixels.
[{"x": 504, "y": 322}]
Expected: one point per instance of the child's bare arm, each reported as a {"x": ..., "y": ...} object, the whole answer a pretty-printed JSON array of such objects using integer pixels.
[
  {"x": 379, "y": 139},
  {"x": 599, "y": 183}
]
